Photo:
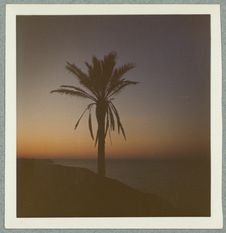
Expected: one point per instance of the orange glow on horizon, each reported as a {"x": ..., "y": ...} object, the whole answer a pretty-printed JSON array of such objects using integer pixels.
[{"x": 166, "y": 114}]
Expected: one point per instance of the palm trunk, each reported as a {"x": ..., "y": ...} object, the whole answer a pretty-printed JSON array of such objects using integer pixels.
[{"x": 100, "y": 113}]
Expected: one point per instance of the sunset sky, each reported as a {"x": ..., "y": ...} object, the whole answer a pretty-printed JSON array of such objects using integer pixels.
[{"x": 167, "y": 114}]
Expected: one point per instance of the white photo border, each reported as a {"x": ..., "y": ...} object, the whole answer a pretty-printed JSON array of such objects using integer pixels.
[{"x": 215, "y": 221}]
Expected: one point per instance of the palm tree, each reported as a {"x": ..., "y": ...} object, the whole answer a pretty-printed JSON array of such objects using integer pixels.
[{"x": 100, "y": 84}]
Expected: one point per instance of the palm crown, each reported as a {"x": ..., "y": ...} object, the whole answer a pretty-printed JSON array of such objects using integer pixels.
[{"x": 100, "y": 84}]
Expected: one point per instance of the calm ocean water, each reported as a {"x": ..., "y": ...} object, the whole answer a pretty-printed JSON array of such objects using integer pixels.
[{"x": 183, "y": 182}]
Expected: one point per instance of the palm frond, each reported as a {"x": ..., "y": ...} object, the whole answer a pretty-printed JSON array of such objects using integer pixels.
[
  {"x": 97, "y": 65},
  {"x": 107, "y": 124},
  {"x": 88, "y": 66},
  {"x": 90, "y": 125},
  {"x": 77, "y": 123},
  {"x": 120, "y": 127},
  {"x": 80, "y": 90},
  {"x": 99, "y": 78},
  {"x": 120, "y": 71},
  {"x": 70, "y": 92},
  {"x": 116, "y": 80},
  {"x": 108, "y": 64},
  {"x": 97, "y": 137},
  {"x": 95, "y": 72},
  {"x": 100, "y": 72},
  {"x": 126, "y": 67},
  {"x": 111, "y": 118},
  {"x": 87, "y": 108},
  {"x": 120, "y": 87},
  {"x": 109, "y": 132},
  {"x": 83, "y": 78}
]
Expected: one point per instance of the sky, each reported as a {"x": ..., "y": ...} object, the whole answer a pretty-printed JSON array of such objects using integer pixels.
[{"x": 166, "y": 115}]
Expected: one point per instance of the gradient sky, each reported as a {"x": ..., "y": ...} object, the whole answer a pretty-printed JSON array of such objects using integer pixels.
[{"x": 166, "y": 114}]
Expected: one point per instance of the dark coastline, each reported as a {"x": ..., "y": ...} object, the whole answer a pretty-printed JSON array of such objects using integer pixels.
[{"x": 45, "y": 189}]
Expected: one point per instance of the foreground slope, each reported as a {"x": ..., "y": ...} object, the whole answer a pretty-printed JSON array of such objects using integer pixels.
[{"x": 45, "y": 189}]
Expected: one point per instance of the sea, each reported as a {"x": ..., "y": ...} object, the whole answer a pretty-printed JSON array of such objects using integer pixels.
[{"x": 184, "y": 182}]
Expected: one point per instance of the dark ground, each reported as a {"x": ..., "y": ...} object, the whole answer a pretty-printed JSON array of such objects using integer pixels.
[{"x": 45, "y": 189}]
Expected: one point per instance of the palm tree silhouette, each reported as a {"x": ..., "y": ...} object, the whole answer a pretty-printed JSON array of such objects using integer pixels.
[{"x": 102, "y": 82}]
